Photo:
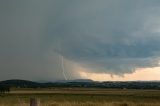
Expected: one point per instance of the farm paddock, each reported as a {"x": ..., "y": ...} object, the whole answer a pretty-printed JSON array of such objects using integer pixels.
[{"x": 82, "y": 97}]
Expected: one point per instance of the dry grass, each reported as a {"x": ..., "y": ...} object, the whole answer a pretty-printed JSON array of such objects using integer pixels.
[
  {"x": 83, "y": 97},
  {"x": 101, "y": 104},
  {"x": 87, "y": 104}
]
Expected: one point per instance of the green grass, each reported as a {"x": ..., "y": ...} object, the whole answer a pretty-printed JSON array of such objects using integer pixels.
[{"x": 82, "y": 97}]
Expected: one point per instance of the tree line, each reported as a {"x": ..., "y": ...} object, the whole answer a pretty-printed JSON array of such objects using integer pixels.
[{"x": 4, "y": 89}]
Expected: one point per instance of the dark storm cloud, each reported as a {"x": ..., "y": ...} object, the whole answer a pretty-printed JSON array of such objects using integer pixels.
[
  {"x": 25, "y": 52},
  {"x": 114, "y": 36}
]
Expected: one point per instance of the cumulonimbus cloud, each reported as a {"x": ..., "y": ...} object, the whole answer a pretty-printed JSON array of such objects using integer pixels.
[{"x": 106, "y": 36}]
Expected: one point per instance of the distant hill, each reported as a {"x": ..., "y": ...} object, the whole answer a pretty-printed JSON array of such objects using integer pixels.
[
  {"x": 76, "y": 80},
  {"x": 20, "y": 83},
  {"x": 31, "y": 84},
  {"x": 82, "y": 80},
  {"x": 86, "y": 83}
]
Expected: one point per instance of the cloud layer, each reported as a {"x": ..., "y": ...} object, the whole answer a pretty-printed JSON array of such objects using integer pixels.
[{"x": 105, "y": 36}]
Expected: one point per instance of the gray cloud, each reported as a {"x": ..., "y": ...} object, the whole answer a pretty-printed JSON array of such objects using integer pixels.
[{"x": 106, "y": 36}]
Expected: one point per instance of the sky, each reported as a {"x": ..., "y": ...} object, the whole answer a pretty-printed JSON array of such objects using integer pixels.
[{"x": 48, "y": 40}]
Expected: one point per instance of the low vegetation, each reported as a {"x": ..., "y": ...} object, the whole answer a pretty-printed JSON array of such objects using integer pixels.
[
  {"x": 88, "y": 104},
  {"x": 82, "y": 97},
  {"x": 84, "y": 84},
  {"x": 4, "y": 89}
]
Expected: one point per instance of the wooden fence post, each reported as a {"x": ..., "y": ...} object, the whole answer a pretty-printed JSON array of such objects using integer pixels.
[{"x": 34, "y": 102}]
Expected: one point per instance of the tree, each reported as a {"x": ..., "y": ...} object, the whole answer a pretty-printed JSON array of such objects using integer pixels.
[{"x": 4, "y": 89}]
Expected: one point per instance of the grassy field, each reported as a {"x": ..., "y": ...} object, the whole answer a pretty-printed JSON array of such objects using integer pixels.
[{"x": 82, "y": 97}]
